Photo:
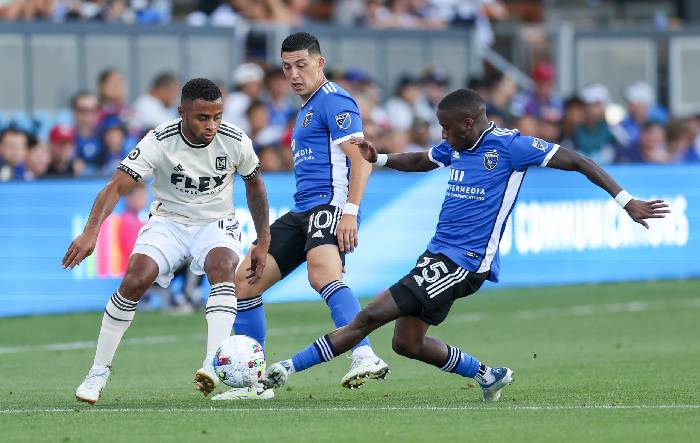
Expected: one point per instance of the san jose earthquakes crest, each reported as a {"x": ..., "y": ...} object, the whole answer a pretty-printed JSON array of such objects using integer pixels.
[
  {"x": 307, "y": 118},
  {"x": 490, "y": 160}
]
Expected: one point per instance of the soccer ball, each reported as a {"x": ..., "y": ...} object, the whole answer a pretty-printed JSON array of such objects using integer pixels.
[{"x": 239, "y": 361}]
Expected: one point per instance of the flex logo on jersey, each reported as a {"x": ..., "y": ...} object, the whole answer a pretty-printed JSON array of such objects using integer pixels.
[
  {"x": 220, "y": 163},
  {"x": 490, "y": 160},
  {"x": 307, "y": 118},
  {"x": 202, "y": 184},
  {"x": 343, "y": 120},
  {"x": 539, "y": 144}
]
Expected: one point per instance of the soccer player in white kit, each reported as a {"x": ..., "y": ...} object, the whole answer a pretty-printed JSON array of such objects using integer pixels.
[{"x": 193, "y": 161}]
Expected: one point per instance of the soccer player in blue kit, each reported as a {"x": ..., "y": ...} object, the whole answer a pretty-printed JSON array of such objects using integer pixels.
[
  {"x": 488, "y": 165},
  {"x": 331, "y": 175}
]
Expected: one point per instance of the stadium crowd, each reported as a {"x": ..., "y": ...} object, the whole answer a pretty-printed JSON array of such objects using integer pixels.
[{"x": 102, "y": 126}]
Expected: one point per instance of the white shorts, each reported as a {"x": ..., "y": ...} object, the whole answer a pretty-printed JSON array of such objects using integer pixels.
[{"x": 171, "y": 244}]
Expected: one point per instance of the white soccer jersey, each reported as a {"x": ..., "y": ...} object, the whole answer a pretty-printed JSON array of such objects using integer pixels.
[{"x": 193, "y": 184}]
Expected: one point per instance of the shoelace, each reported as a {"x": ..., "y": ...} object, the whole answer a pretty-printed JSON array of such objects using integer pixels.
[{"x": 94, "y": 376}]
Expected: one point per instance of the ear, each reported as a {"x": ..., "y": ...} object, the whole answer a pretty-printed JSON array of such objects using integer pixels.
[
  {"x": 321, "y": 62},
  {"x": 181, "y": 111},
  {"x": 469, "y": 122}
]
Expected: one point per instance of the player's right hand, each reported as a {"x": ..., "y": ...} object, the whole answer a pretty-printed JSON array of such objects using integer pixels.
[
  {"x": 366, "y": 149},
  {"x": 258, "y": 260},
  {"x": 81, "y": 247}
]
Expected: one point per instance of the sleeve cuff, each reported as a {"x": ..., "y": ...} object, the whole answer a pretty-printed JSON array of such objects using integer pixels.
[
  {"x": 430, "y": 156},
  {"x": 347, "y": 137},
  {"x": 550, "y": 154},
  {"x": 252, "y": 174},
  {"x": 133, "y": 174}
]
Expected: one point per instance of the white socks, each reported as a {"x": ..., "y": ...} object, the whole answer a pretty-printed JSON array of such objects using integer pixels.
[
  {"x": 220, "y": 313},
  {"x": 116, "y": 320}
]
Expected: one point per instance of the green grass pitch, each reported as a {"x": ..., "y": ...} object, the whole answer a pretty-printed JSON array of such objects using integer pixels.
[{"x": 599, "y": 363}]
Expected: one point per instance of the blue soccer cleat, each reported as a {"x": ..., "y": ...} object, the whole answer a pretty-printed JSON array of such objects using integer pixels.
[{"x": 503, "y": 377}]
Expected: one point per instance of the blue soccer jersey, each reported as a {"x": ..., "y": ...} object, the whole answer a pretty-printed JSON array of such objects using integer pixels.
[
  {"x": 481, "y": 193},
  {"x": 321, "y": 168}
]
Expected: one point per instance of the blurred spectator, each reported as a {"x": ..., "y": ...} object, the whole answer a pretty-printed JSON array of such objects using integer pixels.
[
  {"x": 112, "y": 92},
  {"x": 281, "y": 106},
  {"x": 14, "y": 145},
  {"x": 573, "y": 117},
  {"x": 479, "y": 85},
  {"x": 270, "y": 159},
  {"x": 527, "y": 125},
  {"x": 477, "y": 13},
  {"x": 260, "y": 130},
  {"x": 435, "y": 82},
  {"x": 680, "y": 136},
  {"x": 14, "y": 10},
  {"x": 38, "y": 161},
  {"x": 62, "y": 146},
  {"x": 114, "y": 146},
  {"x": 130, "y": 221},
  {"x": 85, "y": 107},
  {"x": 248, "y": 81},
  {"x": 158, "y": 105},
  {"x": 407, "y": 105},
  {"x": 289, "y": 12},
  {"x": 652, "y": 144},
  {"x": 403, "y": 14},
  {"x": 594, "y": 137},
  {"x": 500, "y": 91},
  {"x": 419, "y": 137},
  {"x": 549, "y": 130},
  {"x": 542, "y": 102}
]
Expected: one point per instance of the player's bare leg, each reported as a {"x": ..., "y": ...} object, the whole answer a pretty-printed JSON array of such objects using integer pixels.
[
  {"x": 140, "y": 274},
  {"x": 220, "y": 267},
  {"x": 325, "y": 276},
  {"x": 410, "y": 340},
  {"x": 379, "y": 312},
  {"x": 250, "y": 319}
]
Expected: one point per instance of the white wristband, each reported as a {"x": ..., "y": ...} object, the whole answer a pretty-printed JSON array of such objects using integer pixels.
[
  {"x": 622, "y": 198},
  {"x": 381, "y": 159},
  {"x": 350, "y": 209}
]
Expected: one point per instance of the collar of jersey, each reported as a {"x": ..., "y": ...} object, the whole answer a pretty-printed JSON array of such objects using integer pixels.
[
  {"x": 314, "y": 93},
  {"x": 190, "y": 144},
  {"x": 478, "y": 141}
]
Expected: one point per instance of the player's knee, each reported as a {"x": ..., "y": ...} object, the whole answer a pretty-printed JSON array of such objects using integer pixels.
[
  {"x": 222, "y": 269},
  {"x": 406, "y": 348},
  {"x": 318, "y": 279},
  {"x": 134, "y": 285}
]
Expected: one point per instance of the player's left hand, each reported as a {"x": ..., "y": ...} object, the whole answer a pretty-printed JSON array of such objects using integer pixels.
[
  {"x": 640, "y": 210},
  {"x": 258, "y": 258},
  {"x": 347, "y": 233}
]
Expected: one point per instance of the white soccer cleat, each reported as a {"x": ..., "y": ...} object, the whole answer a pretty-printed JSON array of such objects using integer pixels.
[
  {"x": 363, "y": 368},
  {"x": 503, "y": 377},
  {"x": 91, "y": 388},
  {"x": 255, "y": 392},
  {"x": 275, "y": 376},
  {"x": 205, "y": 379}
]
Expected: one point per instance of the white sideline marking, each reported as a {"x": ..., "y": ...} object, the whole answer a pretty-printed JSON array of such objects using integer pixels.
[
  {"x": 521, "y": 314},
  {"x": 83, "y": 410}
]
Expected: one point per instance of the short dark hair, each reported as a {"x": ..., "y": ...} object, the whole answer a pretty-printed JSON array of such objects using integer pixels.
[
  {"x": 163, "y": 79},
  {"x": 200, "y": 88},
  {"x": 105, "y": 74},
  {"x": 78, "y": 95},
  {"x": 465, "y": 101},
  {"x": 300, "y": 41}
]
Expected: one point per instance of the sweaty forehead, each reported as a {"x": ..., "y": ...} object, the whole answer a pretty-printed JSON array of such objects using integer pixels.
[
  {"x": 200, "y": 106},
  {"x": 295, "y": 56}
]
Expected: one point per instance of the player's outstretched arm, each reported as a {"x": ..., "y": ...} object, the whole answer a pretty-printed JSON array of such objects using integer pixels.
[
  {"x": 407, "y": 161},
  {"x": 260, "y": 212},
  {"x": 638, "y": 210},
  {"x": 83, "y": 245}
]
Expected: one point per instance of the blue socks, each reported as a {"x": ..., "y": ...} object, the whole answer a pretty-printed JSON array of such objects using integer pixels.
[
  {"x": 251, "y": 320},
  {"x": 461, "y": 363},
  {"x": 343, "y": 305},
  {"x": 320, "y": 351}
]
